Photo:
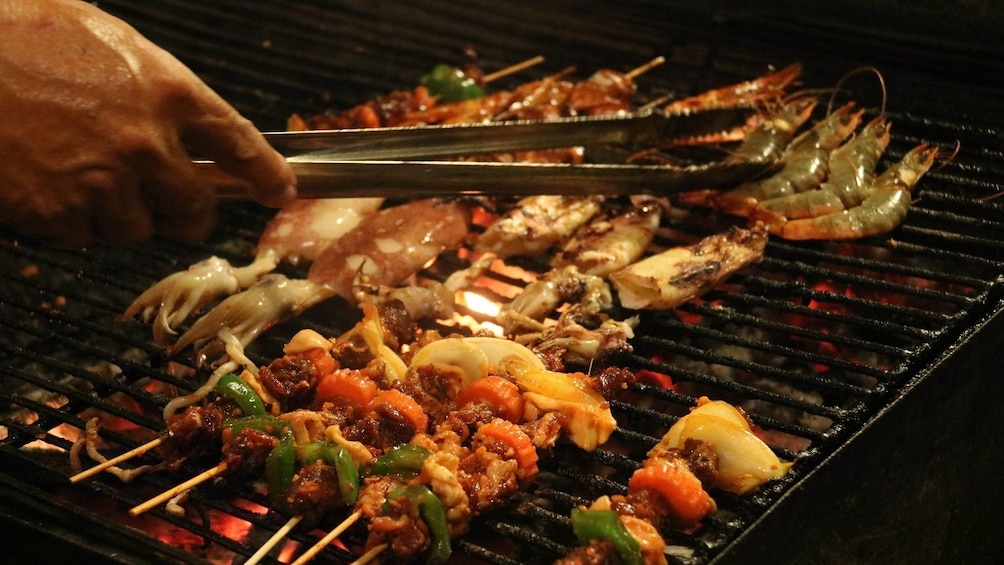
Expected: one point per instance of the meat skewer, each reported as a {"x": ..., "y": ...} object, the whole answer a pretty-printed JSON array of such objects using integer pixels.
[{"x": 427, "y": 354}]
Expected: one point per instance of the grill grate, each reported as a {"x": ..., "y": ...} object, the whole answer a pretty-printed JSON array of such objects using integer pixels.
[{"x": 815, "y": 342}]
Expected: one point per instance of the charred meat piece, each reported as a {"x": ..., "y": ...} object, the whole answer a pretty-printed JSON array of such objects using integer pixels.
[
  {"x": 313, "y": 494},
  {"x": 246, "y": 453},
  {"x": 194, "y": 434},
  {"x": 290, "y": 380}
]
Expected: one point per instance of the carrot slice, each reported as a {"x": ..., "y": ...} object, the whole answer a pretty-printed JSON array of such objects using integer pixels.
[
  {"x": 323, "y": 362},
  {"x": 500, "y": 395},
  {"x": 513, "y": 436},
  {"x": 345, "y": 385},
  {"x": 400, "y": 403},
  {"x": 682, "y": 491}
]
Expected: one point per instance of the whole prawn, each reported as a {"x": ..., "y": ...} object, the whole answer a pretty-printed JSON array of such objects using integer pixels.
[
  {"x": 884, "y": 208},
  {"x": 851, "y": 170},
  {"x": 805, "y": 164}
]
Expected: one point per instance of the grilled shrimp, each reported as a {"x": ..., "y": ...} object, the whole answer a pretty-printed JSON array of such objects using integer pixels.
[
  {"x": 851, "y": 168},
  {"x": 762, "y": 90},
  {"x": 805, "y": 164},
  {"x": 882, "y": 210},
  {"x": 767, "y": 140}
]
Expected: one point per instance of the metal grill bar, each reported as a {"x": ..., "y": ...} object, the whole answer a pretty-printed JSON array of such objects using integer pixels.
[{"x": 889, "y": 307}]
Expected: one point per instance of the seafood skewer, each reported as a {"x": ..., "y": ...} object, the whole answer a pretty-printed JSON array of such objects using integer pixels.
[{"x": 711, "y": 447}]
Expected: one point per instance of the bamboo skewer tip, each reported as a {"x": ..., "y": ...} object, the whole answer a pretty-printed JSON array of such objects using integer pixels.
[
  {"x": 274, "y": 540},
  {"x": 108, "y": 463},
  {"x": 327, "y": 539},
  {"x": 638, "y": 71},
  {"x": 178, "y": 489},
  {"x": 370, "y": 555},
  {"x": 513, "y": 69}
]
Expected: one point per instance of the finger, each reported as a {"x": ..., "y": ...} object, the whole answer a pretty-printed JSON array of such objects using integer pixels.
[
  {"x": 97, "y": 204},
  {"x": 182, "y": 202},
  {"x": 120, "y": 215},
  {"x": 218, "y": 132}
]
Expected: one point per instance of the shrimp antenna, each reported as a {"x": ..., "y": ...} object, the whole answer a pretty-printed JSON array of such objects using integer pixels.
[
  {"x": 950, "y": 158},
  {"x": 806, "y": 93},
  {"x": 857, "y": 71}
]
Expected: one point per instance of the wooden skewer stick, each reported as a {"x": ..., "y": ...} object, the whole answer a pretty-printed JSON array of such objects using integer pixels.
[
  {"x": 646, "y": 67},
  {"x": 326, "y": 540},
  {"x": 174, "y": 491},
  {"x": 135, "y": 452},
  {"x": 272, "y": 541},
  {"x": 513, "y": 69},
  {"x": 369, "y": 555}
]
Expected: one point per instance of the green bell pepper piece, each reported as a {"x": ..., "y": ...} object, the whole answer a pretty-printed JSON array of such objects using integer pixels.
[
  {"x": 604, "y": 525},
  {"x": 280, "y": 467},
  {"x": 268, "y": 424},
  {"x": 430, "y": 508},
  {"x": 403, "y": 460},
  {"x": 233, "y": 387},
  {"x": 450, "y": 84},
  {"x": 338, "y": 457}
]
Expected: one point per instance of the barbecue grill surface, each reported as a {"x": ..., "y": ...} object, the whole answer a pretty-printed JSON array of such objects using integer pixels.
[{"x": 873, "y": 357}]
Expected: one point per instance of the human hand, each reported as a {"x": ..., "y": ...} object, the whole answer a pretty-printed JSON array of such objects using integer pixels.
[{"x": 96, "y": 129}]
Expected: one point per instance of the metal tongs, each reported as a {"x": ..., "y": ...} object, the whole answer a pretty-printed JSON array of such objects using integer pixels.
[{"x": 403, "y": 161}]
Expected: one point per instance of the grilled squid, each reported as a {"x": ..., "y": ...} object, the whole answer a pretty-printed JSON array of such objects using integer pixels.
[
  {"x": 299, "y": 232},
  {"x": 389, "y": 247}
]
